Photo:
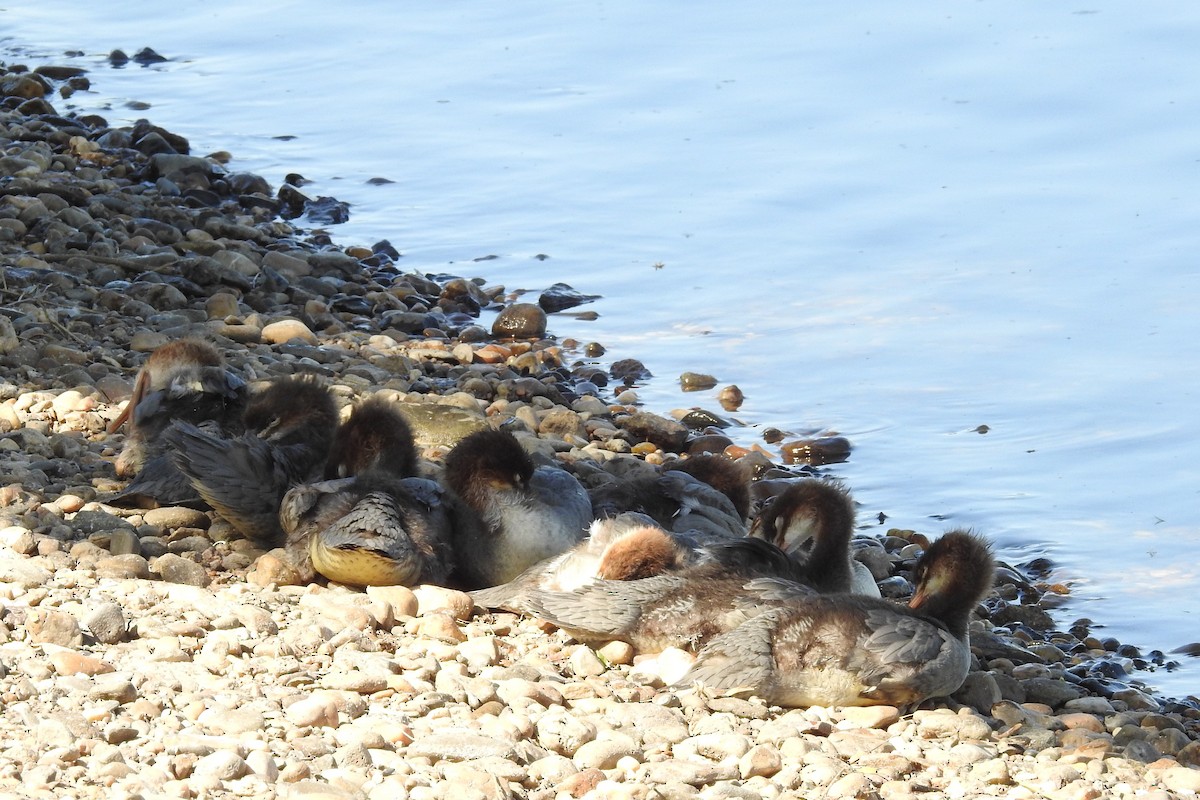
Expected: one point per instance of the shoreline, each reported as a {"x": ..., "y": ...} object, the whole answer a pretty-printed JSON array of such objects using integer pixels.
[{"x": 114, "y": 243}]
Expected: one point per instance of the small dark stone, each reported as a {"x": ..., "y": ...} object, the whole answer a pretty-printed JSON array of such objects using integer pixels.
[
  {"x": 327, "y": 211},
  {"x": 629, "y": 370},
  {"x": 560, "y": 297},
  {"x": 665, "y": 433},
  {"x": 696, "y": 381},
  {"x": 147, "y": 56},
  {"x": 817, "y": 452}
]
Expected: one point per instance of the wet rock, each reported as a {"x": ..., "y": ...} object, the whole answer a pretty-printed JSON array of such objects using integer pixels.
[
  {"x": 520, "y": 321},
  {"x": 696, "y": 381},
  {"x": 560, "y": 297},
  {"x": 665, "y": 433},
  {"x": 817, "y": 452}
]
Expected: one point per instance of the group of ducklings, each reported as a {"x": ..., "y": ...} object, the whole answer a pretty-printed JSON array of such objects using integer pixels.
[{"x": 778, "y": 608}]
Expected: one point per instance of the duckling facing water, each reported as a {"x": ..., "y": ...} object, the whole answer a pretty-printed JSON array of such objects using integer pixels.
[
  {"x": 813, "y": 520},
  {"x": 516, "y": 515},
  {"x": 848, "y": 650},
  {"x": 376, "y": 523}
]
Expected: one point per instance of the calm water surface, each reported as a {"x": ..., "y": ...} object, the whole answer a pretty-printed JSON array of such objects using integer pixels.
[{"x": 894, "y": 223}]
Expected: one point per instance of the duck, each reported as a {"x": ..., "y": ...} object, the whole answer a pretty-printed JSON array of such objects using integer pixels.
[
  {"x": 628, "y": 546},
  {"x": 813, "y": 521},
  {"x": 373, "y": 521},
  {"x": 289, "y": 427},
  {"x": 684, "y": 609},
  {"x": 631, "y": 547},
  {"x": 850, "y": 650},
  {"x": 511, "y": 514},
  {"x": 705, "y": 493},
  {"x": 184, "y": 380}
]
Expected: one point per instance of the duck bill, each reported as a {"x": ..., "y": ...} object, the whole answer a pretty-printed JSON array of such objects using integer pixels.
[{"x": 919, "y": 598}]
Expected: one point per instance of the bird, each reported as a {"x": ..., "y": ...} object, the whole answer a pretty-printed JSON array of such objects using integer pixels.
[
  {"x": 628, "y": 546},
  {"x": 813, "y": 521},
  {"x": 707, "y": 493},
  {"x": 683, "y": 610},
  {"x": 849, "y": 650},
  {"x": 184, "y": 380},
  {"x": 372, "y": 529},
  {"x": 289, "y": 426},
  {"x": 511, "y": 515},
  {"x": 373, "y": 521}
]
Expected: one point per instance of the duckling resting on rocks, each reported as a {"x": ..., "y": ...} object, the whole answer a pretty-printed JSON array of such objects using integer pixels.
[
  {"x": 846, "y": 650},
  {"x": 707, "y": 493},
  {"x": 379, "y": 526},
  {"x": 515, "y": 515},
  {"x": 185, "y": 380},
  {"x": 289, "y": 427},
  {"x": 813, "y": 520},
  {"x": 629, "y": 546}
]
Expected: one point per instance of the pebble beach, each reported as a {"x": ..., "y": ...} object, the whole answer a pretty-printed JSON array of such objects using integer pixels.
[{"x": 157, "y": 654}]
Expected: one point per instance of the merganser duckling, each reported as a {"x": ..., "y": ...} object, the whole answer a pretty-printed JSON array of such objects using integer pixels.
[
  {"x": 706, "y": 493},
  {"x": 813, "y": 521},
  {"x": 515, "y": 515},
  {"x": 683, "y": 610},
  {"x": 628, "y": 546},
  {"x": 185, "y": 380},
  {"x": 376, "y": 523},
  {"x": 289, "y": 427},
  {"x": 847, "y": 650}
]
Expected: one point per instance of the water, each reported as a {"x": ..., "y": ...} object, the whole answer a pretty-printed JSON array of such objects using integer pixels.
[{"x": 896, "y": 223}]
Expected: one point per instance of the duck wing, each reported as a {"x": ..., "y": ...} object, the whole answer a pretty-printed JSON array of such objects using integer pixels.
[
  {"x": 242, "y": 478},
  {"x": 157, "y": 484}
]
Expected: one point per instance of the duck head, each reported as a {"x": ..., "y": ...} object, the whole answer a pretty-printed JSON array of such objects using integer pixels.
[
  {"x": 951, "y": 577},
  {"x": 292, "y": 410},
  {"x": 641, "y": 553},
  {"x": 376, "y": 435},
  {"x": 487, "y": 460}
]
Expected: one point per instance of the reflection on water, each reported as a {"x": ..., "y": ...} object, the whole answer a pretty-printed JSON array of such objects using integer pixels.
[{"x": 897, "y": 224}]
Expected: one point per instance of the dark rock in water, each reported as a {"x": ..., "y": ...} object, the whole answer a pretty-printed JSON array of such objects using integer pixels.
[
  {"x": 327, "y": 211},
  {"x": 826, "y": 450},
  {"x": 118, "y": 58},
  {"x": 560, "y": 297},
  {"x": 147, "y": 56},
  {"x": 696, "y": 381},
  {"x": 698, "y": 419},
  {"x": 1192, "y": 649},
  {"x": 520, "y": 321},
  {"x": 731, "y": 398},
  {"x": 384, "y": 248},
  {"x": 629, "y": 370},
  {"x": 665, "y": 433},
  {"x": 58, "y": 73}
]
